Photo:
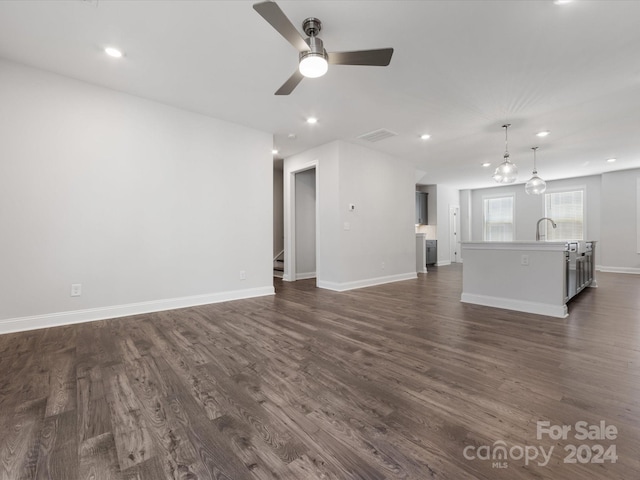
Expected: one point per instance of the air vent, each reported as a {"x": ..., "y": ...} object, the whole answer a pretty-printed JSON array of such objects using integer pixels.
[{"x": 377, "y": 135}]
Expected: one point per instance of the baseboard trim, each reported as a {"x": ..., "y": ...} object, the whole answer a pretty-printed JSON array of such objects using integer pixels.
[
  {"x": 22, "y": 324},
  {"x": 305, "y": 276},
  {"x": 369, "y": 282},
  {"x": 443, "y": 264},
  {"x": 631, "y": 270},
  {"x": 558, "y": 311}
]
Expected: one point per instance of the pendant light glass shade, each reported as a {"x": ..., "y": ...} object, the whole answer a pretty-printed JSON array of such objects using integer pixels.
[
  {"x": 506, "y": 171},
  {"x": 536, "y": 185}
]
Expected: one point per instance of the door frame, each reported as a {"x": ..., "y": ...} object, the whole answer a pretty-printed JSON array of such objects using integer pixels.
[
  {"x": 454, "y": 234},
  {"x": 290, "y": 222}
]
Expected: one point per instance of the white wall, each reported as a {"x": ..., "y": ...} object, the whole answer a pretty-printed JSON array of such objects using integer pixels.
[
  {"x": 381, "y": 240},
  {"x": 620, "y": 201},
  {"x": 147, "y": 206},
  {"x": 305, "y": 211},
  {"x": 325, "y": 160},
  {"x": 379, "y": 245}
]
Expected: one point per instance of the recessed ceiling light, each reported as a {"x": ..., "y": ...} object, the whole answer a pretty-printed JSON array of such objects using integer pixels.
[
  {"x": 113, "y": 52},
  {"x": 292, "y": 136},
  {"x": 611, "y": 160},
  {"x": 562, "y": 2},
  {"x": 274, "y": 151},
  {"x": 544, "y": 133},
  {"x": 425, "y": 136},
  {"x": 486, "y": 164},
  {"x": 312, "y": 120}
]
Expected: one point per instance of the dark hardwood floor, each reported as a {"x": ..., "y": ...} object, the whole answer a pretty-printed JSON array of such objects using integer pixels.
[{"x": 398, "y": 381}]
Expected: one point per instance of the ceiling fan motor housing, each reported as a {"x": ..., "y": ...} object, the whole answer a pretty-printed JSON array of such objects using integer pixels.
[
  {"x": 311, "y": 26},
  {"x": 316, "y": 48}
]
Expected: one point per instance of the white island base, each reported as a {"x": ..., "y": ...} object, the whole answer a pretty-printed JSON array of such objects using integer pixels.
[{"x": 532, "y": 277}]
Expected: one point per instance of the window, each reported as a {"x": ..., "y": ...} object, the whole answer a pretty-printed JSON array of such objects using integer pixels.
[
  {"x": 498, "y": 219},
  {"x": 567, "y": 210}
]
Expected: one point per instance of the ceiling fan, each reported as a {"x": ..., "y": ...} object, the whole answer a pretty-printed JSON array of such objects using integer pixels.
[{"x": 313, "y": 58}]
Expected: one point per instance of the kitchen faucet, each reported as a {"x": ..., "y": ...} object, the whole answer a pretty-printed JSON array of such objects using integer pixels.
[{"x": 538, "y": 227}]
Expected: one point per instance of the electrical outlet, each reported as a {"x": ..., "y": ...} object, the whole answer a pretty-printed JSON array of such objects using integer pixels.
[
  {"x": 347, "y": 226},
  {"x": 524, "y": 260},
  {"x": 243, "y": 275},
  {"x": 382, "y": 265},
  {"x": 76, "y": 289}
]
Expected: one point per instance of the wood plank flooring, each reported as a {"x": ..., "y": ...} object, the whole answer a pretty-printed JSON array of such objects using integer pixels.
[{"x": 388, "y": 382}]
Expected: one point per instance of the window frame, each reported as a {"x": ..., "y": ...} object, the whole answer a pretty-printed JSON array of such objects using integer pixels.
[
  {"x": 567, "y": 189},
  {"x": 511, "y": 195}
]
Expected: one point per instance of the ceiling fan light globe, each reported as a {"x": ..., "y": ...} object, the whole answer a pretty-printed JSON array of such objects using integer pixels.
[
  {"x": 506, "y": 172},
  {"x": 535, "y": 186},
  {"x": 313, "y": 65}
]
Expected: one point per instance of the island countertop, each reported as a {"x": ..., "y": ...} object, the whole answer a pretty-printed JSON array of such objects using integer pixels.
[{"x": 516, "y": 245}]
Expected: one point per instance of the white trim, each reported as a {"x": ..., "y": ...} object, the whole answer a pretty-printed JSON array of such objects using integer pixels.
[
  {"x": 281, "y": 252},
  {"x": 369, "y": 282},
  {"x": 604, "y": 268},
  {"x": 304, "y": 276},
  {"x": 511, "y": 194},
  {"x": 444, "y": 263},
  {"x": 21, "y": 324},
  {"x": 574, "y": 188},
  {"x": 558, "y": 311},
  {"x": 290, "y": 218},
  {"x": 454, "y": 227}
]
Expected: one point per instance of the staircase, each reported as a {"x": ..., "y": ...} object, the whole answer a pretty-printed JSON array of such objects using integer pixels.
[{"x": 278, "y": 265}]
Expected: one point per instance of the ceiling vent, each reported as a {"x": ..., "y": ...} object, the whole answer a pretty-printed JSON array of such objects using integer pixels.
[{"x": 377, "y": 135}]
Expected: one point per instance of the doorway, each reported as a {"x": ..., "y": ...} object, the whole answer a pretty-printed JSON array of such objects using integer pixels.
[{"x": 304, "y": 231}]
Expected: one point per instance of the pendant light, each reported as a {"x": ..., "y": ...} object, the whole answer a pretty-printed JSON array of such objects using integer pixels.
[
  {"x": 535, "y": 186},
  {"x": 506, "y": 171}
]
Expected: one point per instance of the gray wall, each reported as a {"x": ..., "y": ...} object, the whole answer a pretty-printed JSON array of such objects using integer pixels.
[
  {"x": 305, "y": 207},
  {"x": 620, "y": 229},
  {"x": 529, "y": 208},
  {"x": 278, "y": 211},
  {"x": 432, "y": 205},
  {"x": 612, "y": 215}
]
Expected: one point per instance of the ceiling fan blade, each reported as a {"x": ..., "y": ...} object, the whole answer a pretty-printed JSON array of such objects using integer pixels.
[
  {"x": 272, "y": 13},
  {"x": 290, "y": 84},
  {"x": 380, "y": 57}
]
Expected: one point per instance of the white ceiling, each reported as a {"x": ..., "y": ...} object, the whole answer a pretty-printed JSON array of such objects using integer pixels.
[{"x": 460, "y": 70}]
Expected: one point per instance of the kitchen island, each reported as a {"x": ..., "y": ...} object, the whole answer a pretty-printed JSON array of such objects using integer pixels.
[{"x": 533, "y": 277}]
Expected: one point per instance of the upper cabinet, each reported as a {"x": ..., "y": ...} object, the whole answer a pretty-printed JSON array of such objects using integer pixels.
[{"x": 421, "y": 208}]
